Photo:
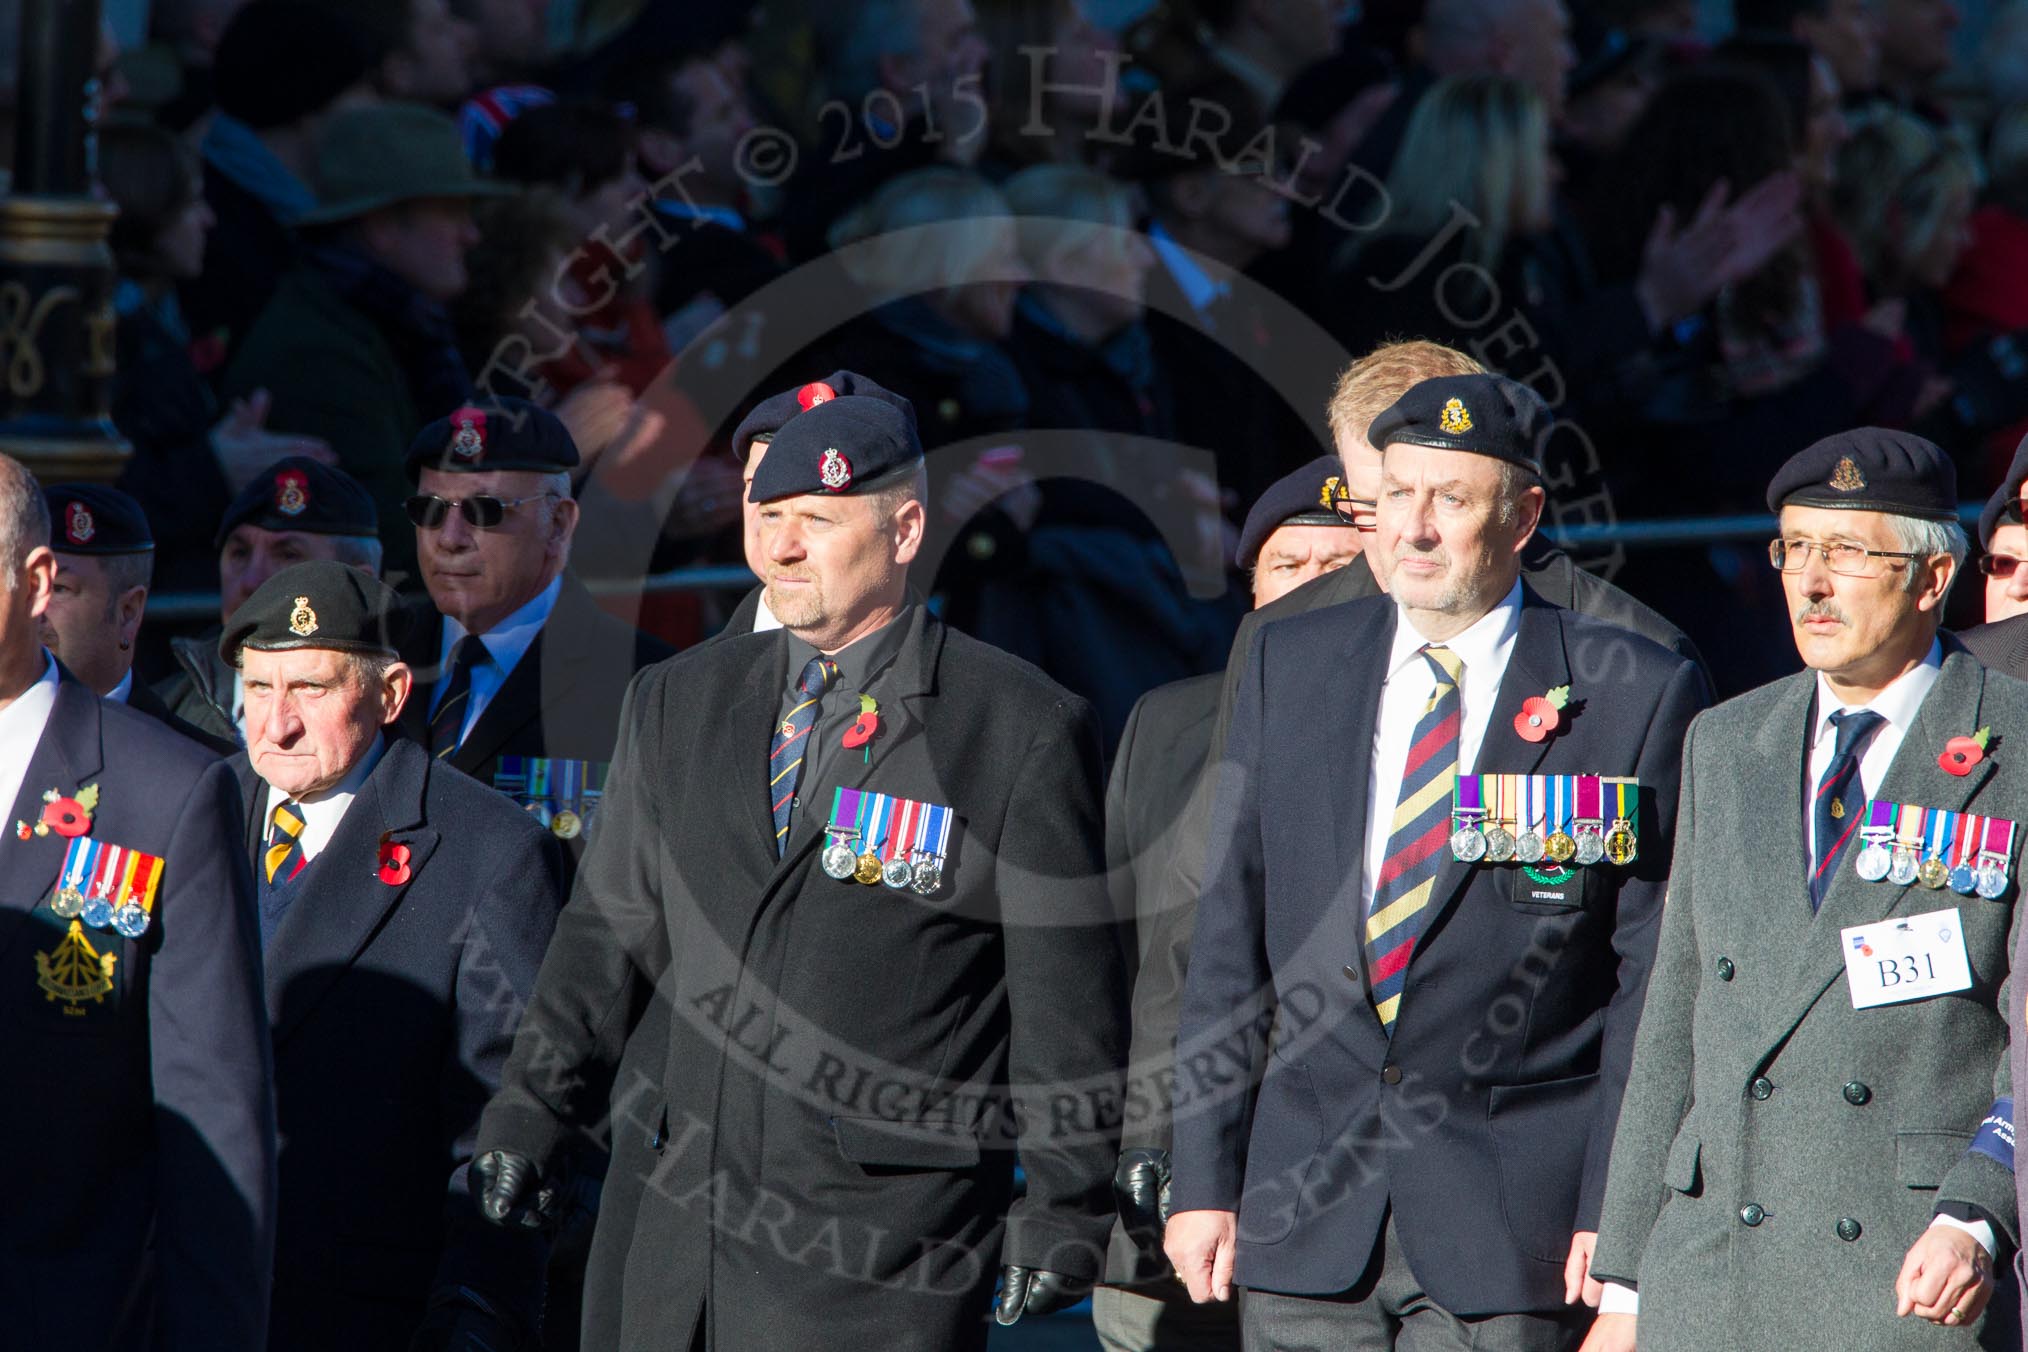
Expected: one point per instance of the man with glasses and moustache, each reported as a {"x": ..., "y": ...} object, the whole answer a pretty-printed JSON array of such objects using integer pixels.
[
  {"x": 2002, "y": 641},
  {"x": 1825, "y": 1027}
]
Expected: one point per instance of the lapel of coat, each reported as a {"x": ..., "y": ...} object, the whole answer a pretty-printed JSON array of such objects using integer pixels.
[
  {"x": 344, "y": 902},
  {"x": 1913, "y": 777},
  {"x": 1352, "y": 692},
  {"x": 748, "y": 730},
  {"x": 67, "y": 757},
  {"x": 1537, "y": 665}
]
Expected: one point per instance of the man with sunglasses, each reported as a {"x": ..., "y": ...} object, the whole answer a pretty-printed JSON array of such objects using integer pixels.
[
  {"x": 2002, "y": 641},
  {"x": 1824, "y": 1029},
  {"x": 520, "y": 673}
]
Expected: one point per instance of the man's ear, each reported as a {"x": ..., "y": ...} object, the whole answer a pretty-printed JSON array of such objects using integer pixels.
[
  {"x": 909, "y": 525},
  {"x": 129, "y": 609},
  {"x": 395, "y": 688},
  {"x": 1533, "y": 500}
]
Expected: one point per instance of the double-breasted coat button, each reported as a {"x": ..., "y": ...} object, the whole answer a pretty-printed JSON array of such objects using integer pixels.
[
  {"x": 1725, "y": 969},
  {"x": 1390, "y": 1074},
  {"x": 1848, "y": 1229},
  {"x": 1351, "y": 973},
  {"x": 1761, "y": 1088},
  {"x": 1752, "y": 1213},
  {"x": 1857, "y": 1093}
]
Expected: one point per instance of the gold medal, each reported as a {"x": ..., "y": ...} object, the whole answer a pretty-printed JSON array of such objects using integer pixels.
[
  {"x": 1560, "y": 848},
  {"x": 868, "y": 871},
  {"x": 68, "y": 903},
  {"x": 1933, "y": 873},
  {"x": 566, "y": 824},
  {"x": 1620, "y": 845}
]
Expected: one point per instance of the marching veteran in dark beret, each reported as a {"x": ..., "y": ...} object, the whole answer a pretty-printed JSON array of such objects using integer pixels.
[
  {"x": 879, "y": 924},
  {"x": 403, "y": 912},
  {"x": 139, "y": 1111},
  {"x": 1450, "y": 920},
  {"x": 1826, "y": 1026}
]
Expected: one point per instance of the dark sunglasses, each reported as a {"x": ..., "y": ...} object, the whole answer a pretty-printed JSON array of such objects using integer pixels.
[
  {"x": 1999, "y": 565},
  {"x": 482, "y": 511}
]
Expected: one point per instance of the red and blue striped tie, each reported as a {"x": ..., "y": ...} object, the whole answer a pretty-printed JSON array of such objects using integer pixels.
[
  {"x": 1836, "y": 809},
  {"x": 785, "y": 756},
  {"x": 1415, "y": 838}
]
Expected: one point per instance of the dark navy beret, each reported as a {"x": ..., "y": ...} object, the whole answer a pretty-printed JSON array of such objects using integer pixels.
[
  {"x": 1300, "y": 499},
  {"x": 1483, "y": 414},
  {"x": 301, "y": 494},
  {"x": 771, "y": 414},
  {"x": 839, "y": 446},
  {"x": 318, "y": 604},
  {"x": 2004, "y": 506},
  {"x": 504, "y": 433},
  {"x": 1870, "y": 469},
  {"x": 95, "y": 519}
]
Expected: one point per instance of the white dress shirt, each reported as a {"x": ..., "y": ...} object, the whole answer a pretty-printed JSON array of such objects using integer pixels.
[
  {"x": 322, "y": 812},
  {"x": 764, "y": 618},
  {"x": 1484, "y": 649},
  {"x": 506, "y": 644},
  {"x": 119, "y": 693},
  {"x": 21, "y": 726}
]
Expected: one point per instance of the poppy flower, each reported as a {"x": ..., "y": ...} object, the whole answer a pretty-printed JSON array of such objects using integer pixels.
[
  {"x": 66, "y": 816},
  {"x": 394, "y": 858},
  {"x": 861, "y": 732},
  {"x": 1541, "y": 714},
  {"x": 1960, "y": 754}
]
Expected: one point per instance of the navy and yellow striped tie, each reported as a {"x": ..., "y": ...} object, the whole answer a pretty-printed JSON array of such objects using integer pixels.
[
  {"x": 1415, "y": 838},
  {"x": 447, "y": 722},
  {"x": 785, "y": 756},
  {"x": 286, "y": 835}
]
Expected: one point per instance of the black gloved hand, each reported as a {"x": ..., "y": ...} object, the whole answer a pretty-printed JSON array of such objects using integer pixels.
[
  {"x": 461, "y": 1320},
  {"x": 1033, "y": 1291},
  {"x": 1141, "y": 1192},
  {"x": 509, "y": 1192}
]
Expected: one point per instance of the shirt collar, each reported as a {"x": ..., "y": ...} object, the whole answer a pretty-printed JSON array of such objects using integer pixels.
[
  {"x": 1897, "y": 703},
  {"x": 764, "y": 617},
  {"x": 1475, "y": 647},
  {"x": 30, "y": 708},
  {"x": 1199, "y": 287},
  {"x": 322, "y": 813},
  {"x": 508, "y": 640},
  {"x": 119, "y": 694},
  {"x": 862, "y": 660}
]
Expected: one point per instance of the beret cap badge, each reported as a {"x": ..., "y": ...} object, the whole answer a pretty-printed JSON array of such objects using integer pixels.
[
  {"x": 78, "y": 524},
  {"x": 468, "y": 441},
  {"x": 835, "y": 472},
  {"x": 1846, "y": 478},
  {"x": 302, "y": 620},
  {"x": 1327, "y": 497},
  {"x": 815, "y": 393},
  {"x": 1455, "y": 419},
  {"x": 292, "y": 492}
]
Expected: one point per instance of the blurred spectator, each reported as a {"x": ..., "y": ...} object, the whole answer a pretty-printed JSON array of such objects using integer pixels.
[
  {"x": 283, "y": 68},
  {"x": 1075, "y": 60},
  {"x": 2003, "y": 58},
  {"x": 188, "y": 461},
  {"x": 1915, "y": 51},
  {"x": 188, "y": 33},
  {"x": 356, "y": 345},
  {"x": 1609, "y": 88},
  {"x": 425, "y": 53},
  {"x": 1260, "y": 43},
  {"x": 585, "y": 152},
  {"x": 486, "y": 114},
  {"x": 690, "y": 119},
  {"x": 1987, "y": 297},
  {"x": 510, "y": 39},
  {"x": 1843, "y": 32},
  {"x": 2003, "y": 542},
  {"x": 903, "y": 84}
]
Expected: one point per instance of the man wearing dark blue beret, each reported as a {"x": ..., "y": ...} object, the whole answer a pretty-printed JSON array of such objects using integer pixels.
[
  {"x": 298, "y": 509},
  {"x": 1449, "y": 909},
  {"x": 859, "y": 860},
  {"x": 519, "y": 673},
  {"x": 2002, "y": 641},
  {"x": 403, "y": 911},
  {"x": 136, "y": 1056},
  {"x": 1827, "y": 1023}
]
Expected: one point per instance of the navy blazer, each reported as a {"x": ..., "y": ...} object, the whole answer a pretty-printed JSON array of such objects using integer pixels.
[
  {"x": 140, "y": 1123},
  {"x": 1485, "y": 1123},
  {"x": 393, "y": 1005}
]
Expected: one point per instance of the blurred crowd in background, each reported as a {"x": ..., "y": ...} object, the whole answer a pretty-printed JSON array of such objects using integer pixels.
[{"x": 1115, "y": 259}]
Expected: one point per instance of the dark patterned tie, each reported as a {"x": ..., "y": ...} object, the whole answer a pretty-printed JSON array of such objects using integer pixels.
[
  {"x": 785, "y": 755},
  {"x": 1415, "y": 838},
  {"x": 284, "y": 858},
  {"x": 1839, "y": 803},
  {"x": 447, "y": 724}
]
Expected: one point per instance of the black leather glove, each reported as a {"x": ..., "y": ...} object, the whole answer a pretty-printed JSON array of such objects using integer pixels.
[
  {"x": 509, "y": 1192},
  {"x": 1141, "y": 1192},
  {"x": 1033, "y": 1291},
  {"x": 461, "y": 1320}
]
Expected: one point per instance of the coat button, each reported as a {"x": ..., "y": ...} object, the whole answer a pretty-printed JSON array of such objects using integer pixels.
[
  {"x": 1390, "y": 1074},
  {"x": 1352, "y": 974},
  {"x": 1761, "y": 1088},
  {"x": 1857, "y": 1093},
  {"x": 1752, "y": 1213},
  {"x": 1848, "y": 1229},
  {"x": 1725, "y": 969}
]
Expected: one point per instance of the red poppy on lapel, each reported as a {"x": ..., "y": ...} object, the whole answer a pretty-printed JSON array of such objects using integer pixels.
[
  {"x": 1960, "y": 754},
  {"x": 394, "y": 869},
  {"x": 1541, "y": 714},
  {"x": 862, "y": 732}
]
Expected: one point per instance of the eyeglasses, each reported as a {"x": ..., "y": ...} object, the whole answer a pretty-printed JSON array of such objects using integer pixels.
[
  {"x": 482, "y": 510},
  {"x": 1846, "y": 560},
  {"x": 1999, "y": 565},
  {"x": 1359, "y": 512}
]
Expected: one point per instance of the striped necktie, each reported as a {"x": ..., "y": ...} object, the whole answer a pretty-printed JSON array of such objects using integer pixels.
[
  {"x": 286, "y": 832},
  {"x": 1415, "y": 838},
  {"x": 785, "y": 755},
  {"x": 1836, "y": 809},
  {"x": 447, "y": 723}
]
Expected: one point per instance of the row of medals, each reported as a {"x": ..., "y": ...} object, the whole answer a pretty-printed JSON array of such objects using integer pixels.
[
  {"x": 1470, "y": 844},
  {"x": 922, "y": 872},
  {"x": 1898, "y": 865},
  {"x": 129, "y": 919}
]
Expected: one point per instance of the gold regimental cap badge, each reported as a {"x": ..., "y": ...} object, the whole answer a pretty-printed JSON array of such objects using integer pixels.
[
  {"x": 1846, "y": 478},
  {"x": 1454, "y": 418},
  {"x": 302, "y": 620}
]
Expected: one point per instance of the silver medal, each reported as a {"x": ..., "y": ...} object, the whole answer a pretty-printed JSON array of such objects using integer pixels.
[
  {"x": 131, "y": 921},
  {"x": 1990, "y": 879},
  {"x": 1529, "y": 847},
  {"x": 929, "y": 876},
  {"x": 897, "y": 874},
  {"x": 839, "y": 861},
  {"x": 1468, "y": 844},
  {"x": 1590, "y": 845},
  {"x": 67, "y": 903},
  {"x": 98, "y": 912},
  {"x": 1901, "y": 872},
  {"x": 1499, "y": 845},
  {"x": 1873, "y": 862}
]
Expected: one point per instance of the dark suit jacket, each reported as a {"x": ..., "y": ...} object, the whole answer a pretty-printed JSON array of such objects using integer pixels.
[
  {"x": 143, "y": 700},
  {"x": 1484, "y": 1124},
  {"x": 561, "y": 700},
  {"x": 200, "y": 691},
  {"x": 835, "y": 1049},
  {"x": 393, "y": 1007},
  {"x": 141, "y": 1211},
  {"x": 2001, "y": 645}
]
